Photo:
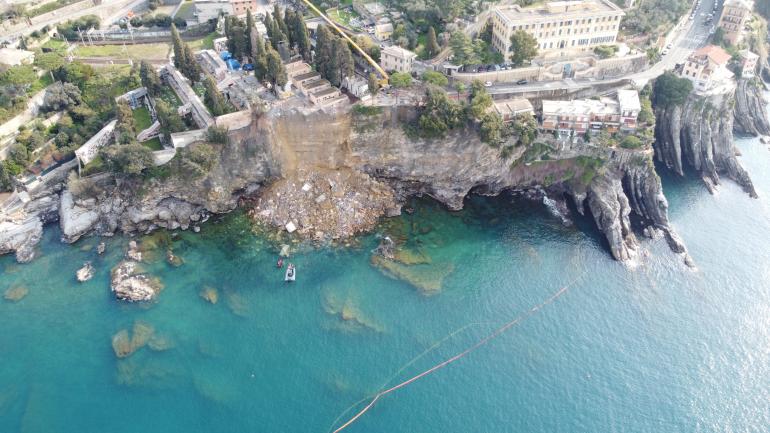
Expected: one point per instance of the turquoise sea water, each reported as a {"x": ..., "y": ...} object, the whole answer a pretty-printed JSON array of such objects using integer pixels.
[{"x": 656, "y": 348}]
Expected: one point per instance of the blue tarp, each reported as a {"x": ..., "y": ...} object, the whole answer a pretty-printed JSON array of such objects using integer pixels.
[
  {"x": 233, "y": 64},
  {"x": 225, "y": 55}
]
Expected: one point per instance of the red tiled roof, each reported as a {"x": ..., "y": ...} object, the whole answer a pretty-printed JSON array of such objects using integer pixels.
[{"x": 715, "y": 53}]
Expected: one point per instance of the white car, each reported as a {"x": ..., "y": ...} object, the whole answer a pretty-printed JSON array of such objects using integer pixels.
[{"x": 488, "y": 84}]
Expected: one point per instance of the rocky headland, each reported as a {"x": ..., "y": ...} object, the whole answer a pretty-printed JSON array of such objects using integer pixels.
[{"x": 333, "y": 173}]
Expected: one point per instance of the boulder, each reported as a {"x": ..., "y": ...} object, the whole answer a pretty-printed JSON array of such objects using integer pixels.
[
  {"x": 129, "y": 284},
  {"x": 21, "y": 237},
  {"x": 75, "y": 220},
  {"x": 85, "y": 273}
]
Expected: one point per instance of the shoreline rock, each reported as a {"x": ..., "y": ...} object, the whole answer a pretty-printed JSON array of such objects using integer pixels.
[{"x": 85, "y": 273}]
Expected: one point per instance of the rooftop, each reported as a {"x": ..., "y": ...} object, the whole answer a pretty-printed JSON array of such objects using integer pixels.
[
  {"x": 581, "y": 107},
  {"x": 398, "y": 52},
  {"x": 562, "y": 9},
  {"x": 326, "y": 92},
  {"x": 629, "y": 100},
  {"x": 307, "y": 75},
  {"x": 714, "y": 53},
  {"x": 746, "y": 4},
  {"x": 513, "y": 106}
]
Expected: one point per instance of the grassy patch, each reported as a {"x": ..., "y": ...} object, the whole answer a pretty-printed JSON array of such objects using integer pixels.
[
  {"x": 93, "y": 167},
  {"x": 142, "y": 118},
  {"x": 170, "y": 97},
  {"x": 341, "y": 16},
  {"x": 185, "y": 11},
  {"x": 153, "y": 144},
  {"x": 205, "y": 43},
  {"x": 138, "y": 52},
  {"x": 366, "y": 110}
]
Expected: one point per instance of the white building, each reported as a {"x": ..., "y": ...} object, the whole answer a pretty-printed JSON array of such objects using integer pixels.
[
  {"x": 560, "y": 26},
  {"x": 707, "y": 67},
  {"x": 357, "y": 86},
  {"x": 395, "y": 58},
  {"x": 630, "y": 106}
]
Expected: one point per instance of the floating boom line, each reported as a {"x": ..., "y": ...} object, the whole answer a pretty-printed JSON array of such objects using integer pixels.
[{"x": 496, "y": 333}]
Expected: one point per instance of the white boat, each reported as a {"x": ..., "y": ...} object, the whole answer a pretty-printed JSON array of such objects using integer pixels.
[{"x": 291, "y": 273}]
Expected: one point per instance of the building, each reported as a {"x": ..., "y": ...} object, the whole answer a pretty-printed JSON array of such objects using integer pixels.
[
  {"x": 383, "y": 31},
  {"x": 213, "y": 64},
  {"x": 509, "y": 109},
  {"x": 629, "y": 106},
  {"x": 749, "y": 62},
  {"x": 206, "y": 10},
  {"x": 371, "y": 11},
  {"x": 580, "y": 115},
  {"x": 707, "y": 67},
  {"x": 559, "y": 27},
  {"x": 357, "y": 86},
  {"x": 735, "y": 13},
  {"x": 395, "y": 58},
  {"x": 13, "y": 57},
  {"x": 241, "y": 6}
]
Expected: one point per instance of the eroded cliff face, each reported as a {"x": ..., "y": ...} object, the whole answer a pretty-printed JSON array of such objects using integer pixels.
[
  {"x": 750, "y": 113},
  {"x": 699, "y": 134},
  {"x": 611, "y": 184}
]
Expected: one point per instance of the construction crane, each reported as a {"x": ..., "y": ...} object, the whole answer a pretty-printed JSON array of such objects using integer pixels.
[{"x": 368, "y": 58}]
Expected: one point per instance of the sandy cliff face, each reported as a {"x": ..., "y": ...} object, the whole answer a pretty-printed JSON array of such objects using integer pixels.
[{"x": 699, "y": 135}]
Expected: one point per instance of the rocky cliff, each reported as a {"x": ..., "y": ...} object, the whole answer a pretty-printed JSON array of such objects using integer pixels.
[
  {"x": 698, "y": 134},
  {"x": 609, "y": 184},
  {"x": 750, "y": 113}
]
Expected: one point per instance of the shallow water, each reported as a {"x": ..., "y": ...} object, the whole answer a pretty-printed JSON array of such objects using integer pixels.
[{"x": 657, "y": 348}]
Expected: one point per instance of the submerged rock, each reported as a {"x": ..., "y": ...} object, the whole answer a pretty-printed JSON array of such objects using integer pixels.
[
  {"x": 426, "y": 278},
  {"x": 210, "y": 294},
  {"x": 85, "y": 273},
  {"x": 173, "y": 259},
  {"x": 350, "y": 315},
  {"x": 16, "y": 294},
  {"x": 124, "y": 344}
]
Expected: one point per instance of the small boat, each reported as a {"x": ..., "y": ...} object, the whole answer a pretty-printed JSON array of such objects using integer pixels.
[
  {"x": 291, "y": 273},
  {"x": 279, "y": 265}
]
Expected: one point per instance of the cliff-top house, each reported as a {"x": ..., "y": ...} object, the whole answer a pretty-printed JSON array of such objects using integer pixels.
[
  {"x": 735, "y": 13},
  {"x": 707, "y": 67}
]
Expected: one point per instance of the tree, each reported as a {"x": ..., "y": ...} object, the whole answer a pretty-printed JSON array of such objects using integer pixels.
[
  {"x": 76, "y": 73},
  {"x": 6, "y": 178},
  {"x": 258, "y": 57},
  {"x": 192, "y": 68},
  {"x": 213, "y": 97},
  {"x": 492, "y": 128},
  {"x": 250, "y": 30},
  {"x": 236, "y": 43},
  {"x": 671, "y": 90},
  {"x": 631, "y": 142},
  {"x": 523, "y": 47},
  {"x": 195, "y": 161},
  {"x": 435, "y": 78},
  {"x": 279, "y": 21},
  {"x": 344, "y": 61},
  {"x": 481, "y": 101},
  {"x": 719, "y": 36},
  {"x": 323, "y": 50},
  {"x": 179, "y": 55},
  {"x": 127, "y": 159},
  {"x": 61, "y": 96},
  {"x": 374, "y": 85},
  {"x": 169, "y": 119},
  {"x": 462, "y": 48},
  {"x": 400, "y": 79},
  {"x": 439, "y": 114},
  {"x": 276, "y": 71},
  {"x": 431, "y": 45},
  {"x": 125, "y": 129},
  {"x": 150, "y": 78}
]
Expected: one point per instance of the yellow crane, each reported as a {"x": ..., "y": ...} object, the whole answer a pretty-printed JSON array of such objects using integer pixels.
[{"x": 368, "y": 58}]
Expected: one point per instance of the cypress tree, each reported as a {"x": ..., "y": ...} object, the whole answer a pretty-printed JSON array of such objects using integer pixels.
[
  {"x": 278, "y": 18},
  {"x": 344, "y": 61},
  {"x": 250, "y": 30},
  {"x": 432, "y": 43},
  {"x": 150, "y": 78},
  {"x": 191, "y": 69},
  {"x": 213, "y": 98},
  {"x": 323, "y": 51},
  {"x": 268, "y": 22},
  {"x": 258, "y": 57},
  {"x": 176, "y": 41},
  {"x": 276, "y": 71}
]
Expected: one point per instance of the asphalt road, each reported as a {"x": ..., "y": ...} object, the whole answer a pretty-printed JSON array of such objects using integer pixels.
[{"x": 691, "y": 36}]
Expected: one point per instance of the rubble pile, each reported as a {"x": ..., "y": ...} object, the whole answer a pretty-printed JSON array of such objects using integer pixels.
[{"x": 325, "y": 205}]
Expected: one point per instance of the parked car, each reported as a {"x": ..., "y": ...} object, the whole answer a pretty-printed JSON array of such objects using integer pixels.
[{"x": 522, "y": 82}]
